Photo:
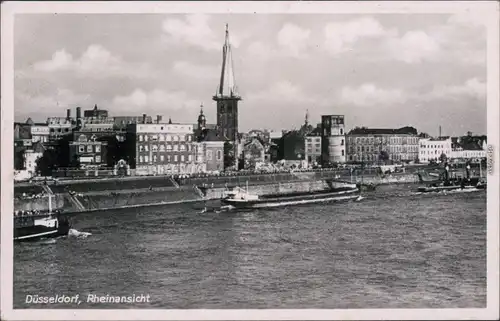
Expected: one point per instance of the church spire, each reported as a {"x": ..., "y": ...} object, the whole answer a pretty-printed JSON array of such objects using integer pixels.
[
  {"x": 307, "y": 117},
  {"x": 227, "y": 86}
]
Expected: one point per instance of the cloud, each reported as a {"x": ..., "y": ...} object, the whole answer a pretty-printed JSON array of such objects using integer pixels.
[
  {"x": 195, "y": 70},
  {"x": 193, "y": 30},
  {"x": 413, "y": 47},
  {"x": 293, "y": 39},
  {"x": 471, "y": 18},
  {"x": 282, "y": 91},
  {"x": 155, "y": 100},
  {"x": 370, "y": 95},
  {"x": 471, "y": 88},
  {"x": 341, "y": 36},
  {"x": 53, "y": 103},
  {"x": 95, "y": 61}
]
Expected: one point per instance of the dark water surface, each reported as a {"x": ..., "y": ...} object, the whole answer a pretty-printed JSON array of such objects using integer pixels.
[{"x": 393, "y": 249}]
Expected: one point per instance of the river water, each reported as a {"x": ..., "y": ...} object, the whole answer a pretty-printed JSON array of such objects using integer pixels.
[{"x": 393, "y": 249}]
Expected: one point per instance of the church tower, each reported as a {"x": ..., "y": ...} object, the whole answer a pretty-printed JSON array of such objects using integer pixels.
[
  {"x": 227, "y": 98},
  {"x": 202, "y": 121}
]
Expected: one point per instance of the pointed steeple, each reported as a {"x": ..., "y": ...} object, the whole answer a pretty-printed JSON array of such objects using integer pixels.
[
  {"x": 307, "y": 117},
  {"x": 227, "y": 86}
]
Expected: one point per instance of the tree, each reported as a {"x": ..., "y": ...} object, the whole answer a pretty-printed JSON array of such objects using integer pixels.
[
  {"x": 443, "y": 158},
  {"x": 383, "y": 156},
  {"x": 46, "y": 164},
  {"x": 19, "y": 158}
]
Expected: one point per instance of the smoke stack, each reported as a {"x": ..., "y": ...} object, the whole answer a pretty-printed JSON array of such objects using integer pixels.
[
  {"x": 78, "y": 112},
  {"x": 439, "y": 131},
  {"x": 143, "y": 118},
  {"x": 158, "y": 119},
  {"x": 68, "y": 114}
]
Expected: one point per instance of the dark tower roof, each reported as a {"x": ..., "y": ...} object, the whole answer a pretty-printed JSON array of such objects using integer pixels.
[{"x": 227, "y": 85}]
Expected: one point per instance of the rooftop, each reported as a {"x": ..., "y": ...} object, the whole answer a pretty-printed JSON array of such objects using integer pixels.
[{"x": 383, "y": 131}]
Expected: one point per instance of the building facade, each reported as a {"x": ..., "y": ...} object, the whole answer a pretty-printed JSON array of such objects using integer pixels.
[
  {"x": 253, "y": 153},
  {"x": 40, "y": 133},
  {"x": 333, "y": 139},
  {"x": 162, "y": 149},
  {"x": 60, "y": 127},
  {"x": 374, "y": 145},
  {"x": 313, "y": 147},
  {"x": 31, "y": 156},
  {"x": 432, "y": 149},
  {"x": 86, "y": 150}
]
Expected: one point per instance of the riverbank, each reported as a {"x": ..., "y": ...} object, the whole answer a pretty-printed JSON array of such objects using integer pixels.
[{"x": 156, "y": 191}]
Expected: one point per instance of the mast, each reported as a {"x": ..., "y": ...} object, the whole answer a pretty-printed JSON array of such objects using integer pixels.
[{"x": 50, "y": 203}]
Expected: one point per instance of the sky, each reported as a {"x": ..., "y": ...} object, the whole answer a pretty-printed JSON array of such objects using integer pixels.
[{"x": 379, "y": 70}]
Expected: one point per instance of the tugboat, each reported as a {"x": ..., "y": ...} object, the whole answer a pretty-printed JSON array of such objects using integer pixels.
[
  {"x": 460, "y": 184},
  {"x": 35, "y": 225},
  {"x": 241, "y": 199}
]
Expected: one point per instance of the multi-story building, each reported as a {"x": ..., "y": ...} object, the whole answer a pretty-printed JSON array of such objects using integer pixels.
[
  {"x": 253, "y": 152},
  {"x": 381, "y": 144},
  {"x": 313, "y": 147},
  {"x": 85, "y": 149},
  {"x": 163, "y": 148},
  {"x": 333, "y": 139},
  {"x": 40, "y": 133},
  {"x": 468, "y": 148},
  {"x": 22, "y": 134},
  {"x": 31, "y": 156},
  {"x": 209, "y": 146},
  {"x": 60, "y": 127},
  {"x": 432, "y": 149},
  {"x": 95, "y": 113}
]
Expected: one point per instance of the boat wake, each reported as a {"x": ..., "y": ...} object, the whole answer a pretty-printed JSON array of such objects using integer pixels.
[{"x": 78, "y": 234}]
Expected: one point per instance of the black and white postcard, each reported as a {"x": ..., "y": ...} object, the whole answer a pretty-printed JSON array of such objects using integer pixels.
[{"x": 250, "y": 160}]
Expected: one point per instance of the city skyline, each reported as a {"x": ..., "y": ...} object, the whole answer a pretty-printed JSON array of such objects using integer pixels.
[{"x": 378, "y": 70}]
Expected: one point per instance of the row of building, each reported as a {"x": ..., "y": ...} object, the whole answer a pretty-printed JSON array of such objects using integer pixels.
[{"x": 143, "y": 145}]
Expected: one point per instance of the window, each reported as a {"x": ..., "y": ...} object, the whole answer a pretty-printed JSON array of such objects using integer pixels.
[
  {"x": 209, "y": 155},
  {"x": 183, "y": 147},
  {"x": 98, "y": 148},
  {"x": 162, "y": 137},
  {"x": 146, "y": 158},
  {"x": 189, "y": 138},
  {"x": 140, "y": 138},
  {"x": 176, "y": 148},
  {"x": 154, "y": 158},
  {"x": 146, "y": 148},
  {"x": 342, "y": 152},
  {"x": 168, "y": 138},
  {"x": 342, "y": 143},
  {"x": 219, "y": 155},
  {"x": 176, "y": 138},
  {"x": 154, "y": 137},
  {"x": 145, "y": 138},
  {"x": 162, "y": 148},
  {"x": 141, "y": 148},
  {"x": 341, "y": 131},
  {"x": 98, "y": 159},
  {"x": 190, "y": 158},
  {"x": 169, "y": 147},
  {"x": 175, "y": 158},
  {"x": 182, "y": 158},
  {"x": 89, "y": 148},
  {"x": 169, "y": 158},
  {"x": 154, "y": 148},
  {"x": 81, "y": 148},
  {"x": 162, "y": 158}
]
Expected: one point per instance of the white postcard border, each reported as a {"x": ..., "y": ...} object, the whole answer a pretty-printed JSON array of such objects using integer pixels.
[{"x": 488, "y": 8}]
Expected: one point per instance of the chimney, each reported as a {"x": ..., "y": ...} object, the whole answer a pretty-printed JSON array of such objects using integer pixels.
[
  {"x": 78, "y": 113},
  {"x": 143, "y": 118},
  {"x": 68, "y": 114},
  {"x": 439, "y": 131},
  {"x": 158, "y": 119}
]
